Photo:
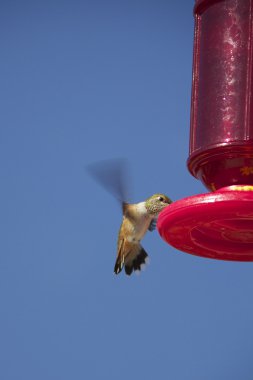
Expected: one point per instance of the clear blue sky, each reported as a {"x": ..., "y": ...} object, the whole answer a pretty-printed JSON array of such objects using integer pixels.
[{"x": 83, "y": 81}]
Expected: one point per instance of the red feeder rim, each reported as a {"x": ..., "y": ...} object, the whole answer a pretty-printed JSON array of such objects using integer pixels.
[{"x": 216, "y": 225}]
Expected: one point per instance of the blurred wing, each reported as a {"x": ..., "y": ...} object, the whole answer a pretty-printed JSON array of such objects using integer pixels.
[{"x": 113, "y": 175}]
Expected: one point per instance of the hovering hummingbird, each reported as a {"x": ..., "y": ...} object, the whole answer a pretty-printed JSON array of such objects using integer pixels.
[{"x": 138, "y": 218}]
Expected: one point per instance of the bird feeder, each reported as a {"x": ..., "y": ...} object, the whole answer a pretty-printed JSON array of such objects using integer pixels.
[{"x": 219, "y": 224}]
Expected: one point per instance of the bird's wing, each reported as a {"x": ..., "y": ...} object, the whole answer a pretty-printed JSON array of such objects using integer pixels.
[
  {"x": 124, "y": 207},
  {"x": 113, "y": 175}
]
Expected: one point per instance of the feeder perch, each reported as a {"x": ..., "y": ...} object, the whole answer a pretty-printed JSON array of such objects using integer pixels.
[{"x": 219, "y": 224}]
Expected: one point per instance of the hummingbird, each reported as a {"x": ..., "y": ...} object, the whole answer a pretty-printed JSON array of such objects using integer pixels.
[{"x": 138, "y": 218}]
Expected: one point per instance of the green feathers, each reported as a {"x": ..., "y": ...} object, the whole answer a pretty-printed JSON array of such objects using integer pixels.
[{"x": 156, "y": 203}]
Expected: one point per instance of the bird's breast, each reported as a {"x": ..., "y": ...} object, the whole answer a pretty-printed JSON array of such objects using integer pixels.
[{"x": 134, "y": 230}]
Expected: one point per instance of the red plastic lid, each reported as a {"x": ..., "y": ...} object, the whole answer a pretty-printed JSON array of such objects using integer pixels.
[{"x": 216, "y": 225}]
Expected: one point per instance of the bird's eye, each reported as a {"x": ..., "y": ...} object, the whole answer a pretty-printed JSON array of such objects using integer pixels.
[{"x": 161, "y": 199}]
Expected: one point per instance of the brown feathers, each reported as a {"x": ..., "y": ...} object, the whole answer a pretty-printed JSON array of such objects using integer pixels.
[{"x": 130, "y": 255}]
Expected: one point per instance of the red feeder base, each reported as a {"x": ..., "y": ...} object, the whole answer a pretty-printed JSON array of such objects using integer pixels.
[{"x": 216, "y": 225}]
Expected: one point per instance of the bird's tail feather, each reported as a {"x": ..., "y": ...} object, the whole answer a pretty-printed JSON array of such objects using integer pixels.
[
  {"x": 133, "y": 258},
  {"x": 137, "y": 262}
]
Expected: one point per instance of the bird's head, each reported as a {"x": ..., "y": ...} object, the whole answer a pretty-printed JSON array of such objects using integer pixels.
[{"x": 156, "y": 203}]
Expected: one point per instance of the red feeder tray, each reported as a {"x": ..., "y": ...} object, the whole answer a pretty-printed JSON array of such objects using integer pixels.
[{"x": 219, "y": 224}]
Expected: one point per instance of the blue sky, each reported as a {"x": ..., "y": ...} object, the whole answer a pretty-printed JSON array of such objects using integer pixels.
[{"x": 83, "y": 81}]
